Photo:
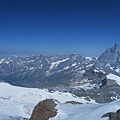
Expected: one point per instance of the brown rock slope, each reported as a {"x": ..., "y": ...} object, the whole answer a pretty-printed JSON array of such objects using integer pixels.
[{"x": 44, "y": 110}]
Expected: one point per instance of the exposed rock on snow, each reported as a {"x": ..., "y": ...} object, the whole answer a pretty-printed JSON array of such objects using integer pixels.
[
  {"x": 73, "y": 102},
  {"x": 44, "y": 110},
  {"x": 113, "y": 115}
]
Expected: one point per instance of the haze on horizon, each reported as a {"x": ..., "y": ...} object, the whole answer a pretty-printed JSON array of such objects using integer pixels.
[{"x": 58, "y": 26}]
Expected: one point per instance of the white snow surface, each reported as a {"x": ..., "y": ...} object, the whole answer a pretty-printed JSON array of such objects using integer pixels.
[
  {"x": 114, "y": 77},
  {"x": 20, "y": 101},
  {"x": 95, "y": 70},
  {"x": 55, "y": 64},
  {"x": 89, "y": 58},
  {"x": 74, "y": 64},
  {"x": 85, "y": 111},
  {"x": 3, "y": 60},
  {"x": 89, "y": 65},
  {"x": 118, "y": 70}
]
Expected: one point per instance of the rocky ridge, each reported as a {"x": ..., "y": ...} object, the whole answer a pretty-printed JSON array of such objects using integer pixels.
[
  {"x": 112, "y": 115},
  {"x": 82, "y": 76}
]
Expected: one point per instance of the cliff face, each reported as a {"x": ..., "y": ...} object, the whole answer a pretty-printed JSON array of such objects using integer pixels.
[
  {"x": 44, "y": 110},
  {"x": 113, "y": 115},
  {"x": 111, "y": 56}
]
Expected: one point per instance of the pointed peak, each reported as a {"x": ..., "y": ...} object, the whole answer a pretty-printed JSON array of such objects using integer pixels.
[
  {"x": 116, "y": 45},
  {"x": 111, "y": 54},
  {"x": 75, "y": 53}
]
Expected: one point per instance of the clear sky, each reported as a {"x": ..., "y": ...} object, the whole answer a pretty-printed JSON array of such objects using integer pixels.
[{"x": 59, "y": 26}]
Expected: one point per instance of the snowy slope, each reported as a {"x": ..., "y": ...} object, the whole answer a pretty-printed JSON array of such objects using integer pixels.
[
  {"x": 19, "y": 101},
  {"x": 85, "y": 111},
  {"x": 114, "y": 77}
]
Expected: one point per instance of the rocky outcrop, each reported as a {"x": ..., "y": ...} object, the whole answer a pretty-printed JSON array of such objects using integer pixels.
[
  {"x": 112, "y": 115},
  {"x": 44, "y": 110},
  {"x": 73, "y": 102}
]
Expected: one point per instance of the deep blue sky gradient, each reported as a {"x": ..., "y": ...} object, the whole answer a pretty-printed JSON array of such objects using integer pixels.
[{"x": 59, "y": 26}]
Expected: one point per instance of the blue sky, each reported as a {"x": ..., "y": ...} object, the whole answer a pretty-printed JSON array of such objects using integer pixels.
[{"x": 59, "y": 26}]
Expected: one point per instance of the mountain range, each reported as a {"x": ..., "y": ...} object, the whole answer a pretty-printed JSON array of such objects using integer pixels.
[{"x": 92, "y": 78}]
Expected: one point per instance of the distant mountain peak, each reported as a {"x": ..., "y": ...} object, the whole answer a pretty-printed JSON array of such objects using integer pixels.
[
  {"x": 75, "y": 52},
  {"x": 111, "y": 55},
  {"x": 115, "y": 48},
  {"x": 116, "y": 45}
]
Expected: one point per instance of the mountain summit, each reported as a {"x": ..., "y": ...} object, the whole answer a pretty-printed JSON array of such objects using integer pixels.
[
  {"x": 111, "y": 56},
  {"x": 116, "y": 45},
  {"x": 116, "y": 48}
]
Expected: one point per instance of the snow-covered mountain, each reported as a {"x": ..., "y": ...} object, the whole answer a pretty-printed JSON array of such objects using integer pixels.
[
  {"x": 43, "y": 71},
  {"x": 17, "y": 103},
  {"x": 111, "y": 57},
  {"x": 86, "y": 77}
]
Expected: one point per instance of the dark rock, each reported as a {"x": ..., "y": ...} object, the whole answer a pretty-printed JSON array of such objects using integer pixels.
[
  {"x": 112, "y": 115},
  {"x": 73, "y": 102}
]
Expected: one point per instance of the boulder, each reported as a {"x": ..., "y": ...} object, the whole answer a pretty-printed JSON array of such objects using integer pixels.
[{"x": 44, "y": 110}]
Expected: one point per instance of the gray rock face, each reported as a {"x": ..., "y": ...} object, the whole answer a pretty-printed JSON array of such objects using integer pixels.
[
  {"x": 113, "y": 115},
  {"x": 111, "y": 56}
]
